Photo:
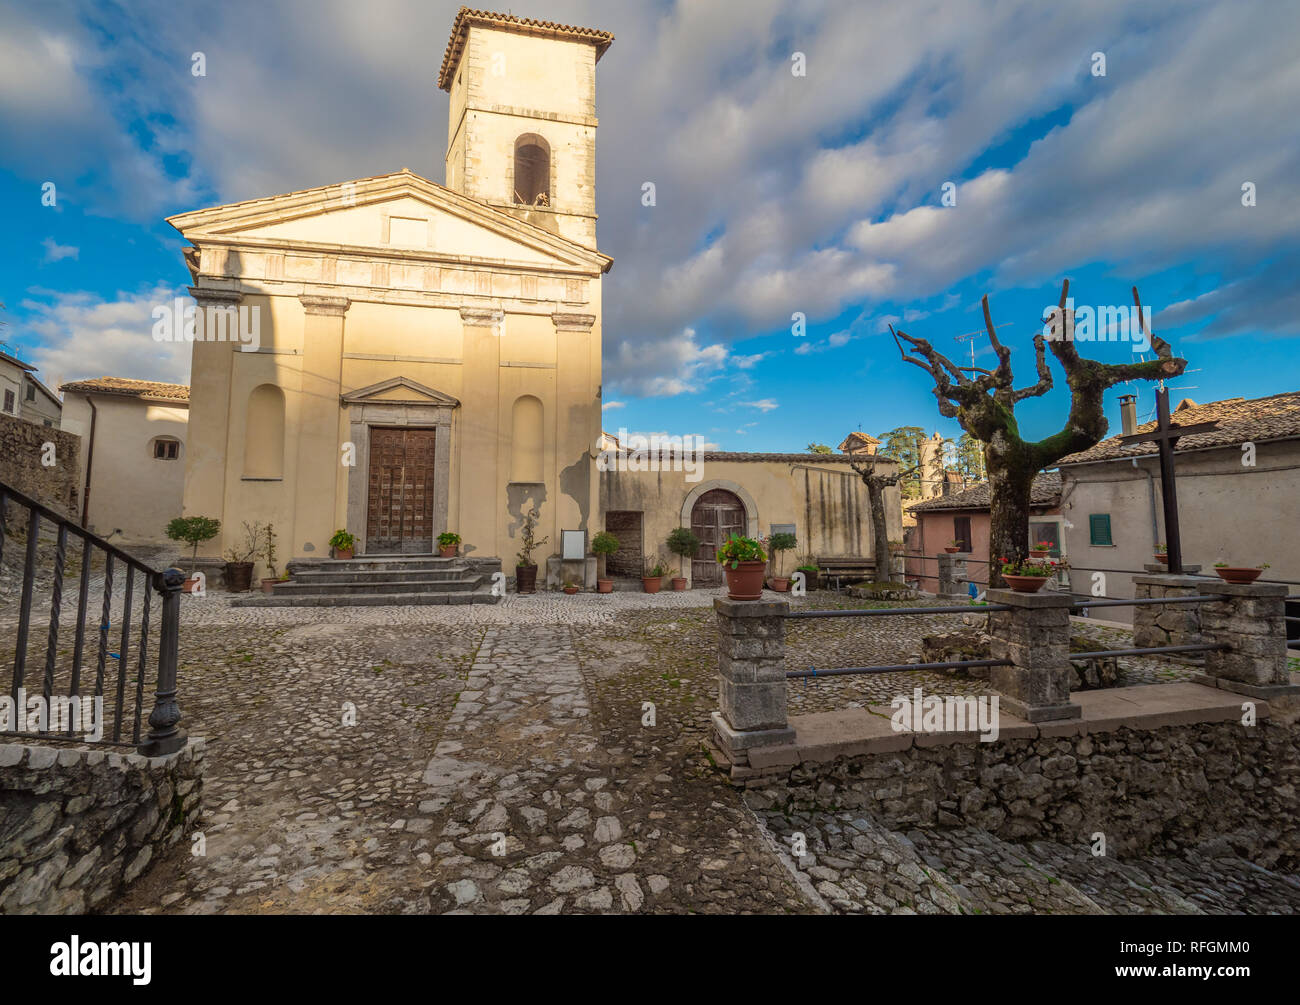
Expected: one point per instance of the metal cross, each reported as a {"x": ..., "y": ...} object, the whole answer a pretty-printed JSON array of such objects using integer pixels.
[{"x": 1166, "y": 436}]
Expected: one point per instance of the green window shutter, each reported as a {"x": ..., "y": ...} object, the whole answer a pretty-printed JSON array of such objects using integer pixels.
[{"x": 1099, "y": 529}]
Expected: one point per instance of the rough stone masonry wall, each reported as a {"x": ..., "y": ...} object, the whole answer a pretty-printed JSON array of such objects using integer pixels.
[
  {"x": 77, "y": 825},
  {"x": 22, "y": 445},
  {"x": 1149, "y": 791}
]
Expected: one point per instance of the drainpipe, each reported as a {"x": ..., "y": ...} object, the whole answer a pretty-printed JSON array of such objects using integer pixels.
[
  {"x": 90, "y": 462},
  {"x": 1151, "y": 502}
]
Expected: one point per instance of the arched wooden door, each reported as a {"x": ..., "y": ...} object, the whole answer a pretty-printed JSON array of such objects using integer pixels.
[{"x": 715, "y": 517}]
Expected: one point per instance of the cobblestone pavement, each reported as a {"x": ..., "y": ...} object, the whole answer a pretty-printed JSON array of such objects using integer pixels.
[{"x": 544, "y": 755}]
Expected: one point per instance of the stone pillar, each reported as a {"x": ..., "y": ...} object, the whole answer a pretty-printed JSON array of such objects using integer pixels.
[
  {"x": 1035, "y": 636},
  {"x": 1167, "y": 624},
  {"x": 952, "y": 574},
  {"x": 481, "y": 449},
  {"x": 1248, "y": 618},
  {"x": 207, "y": 431},
  {"x": 751, "y": 677},
  {"x": 317, "y": 510},
  {"x": 577, "y": 426}
]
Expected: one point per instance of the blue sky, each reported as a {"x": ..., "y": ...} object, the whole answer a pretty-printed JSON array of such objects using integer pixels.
[{"x": 776, "y": 194}]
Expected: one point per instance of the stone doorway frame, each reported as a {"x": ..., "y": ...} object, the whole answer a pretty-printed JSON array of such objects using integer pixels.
[
  {"x": 425, "y": 408},
  {"x": 746, "y": 500}
]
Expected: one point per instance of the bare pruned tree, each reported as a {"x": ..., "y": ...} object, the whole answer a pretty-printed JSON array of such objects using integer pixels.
[
  {"x": 865, "y": 465},
  {"x": 984, "y": 403}
]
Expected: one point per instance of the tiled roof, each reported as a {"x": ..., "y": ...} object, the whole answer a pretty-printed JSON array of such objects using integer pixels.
[
  {"x": 1046, "y": 491},
  {"x": 17, "y": 362},
  {"x": 146, "y": 390},
  {"x": 527, "y": 25},
  {"x": 1240, "y": 420}
]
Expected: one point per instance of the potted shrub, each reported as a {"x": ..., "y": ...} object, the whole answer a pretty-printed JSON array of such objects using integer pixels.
[
  {"x": 526, "y": 569},
  {"x": 810, "y": 574},
  {"x": 193, "y": 530},
  {"x": 953, "y": 547},
  {"x": 683, "y": 544},
  {"x": 448, "y": 543},
  {"x": 342, "y": 544},
  {"x": 268, "y": 554},
  {"x": 603, "y": 545},
  {"x": 779, "y": 543},
  {"x": 744, "y": 563},
  {"x": 1239, "y": 575},
  {"x": 654, "y": 578},
  {"x": 1041, "y": 549},
  {"x": 1028, "y": 575},
  {"x": 570, "y": 587},
  {"x": 239, "y": 560},
  {"x": 1162, "y": 554}
]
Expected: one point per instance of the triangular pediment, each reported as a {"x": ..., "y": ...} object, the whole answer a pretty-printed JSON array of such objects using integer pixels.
[
  {"x": 399, "y": 391},
  {"x": 400, "y": 214}
]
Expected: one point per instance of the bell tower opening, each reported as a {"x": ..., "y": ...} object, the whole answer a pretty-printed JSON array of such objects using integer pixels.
[{"x": 532, "y": 171}]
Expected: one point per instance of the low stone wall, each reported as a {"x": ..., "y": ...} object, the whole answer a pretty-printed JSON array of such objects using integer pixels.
[
  {"x": 22, "y": 450},
  {"x": 78, "y": 824},
  {"x": 1149, "y": 791}
]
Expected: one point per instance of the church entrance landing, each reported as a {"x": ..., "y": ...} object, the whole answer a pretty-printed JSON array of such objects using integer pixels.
[{"x": 399, "y": 510}]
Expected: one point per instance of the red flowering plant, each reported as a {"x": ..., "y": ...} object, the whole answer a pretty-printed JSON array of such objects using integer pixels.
[
  {"x": 1042, "y": 546},
  {"x": 1032, "y": 567}
]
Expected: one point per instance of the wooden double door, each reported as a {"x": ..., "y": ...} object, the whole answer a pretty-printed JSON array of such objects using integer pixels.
[
  {"x": 715, "y": 517},
  {"x": 399, "y": 510}
]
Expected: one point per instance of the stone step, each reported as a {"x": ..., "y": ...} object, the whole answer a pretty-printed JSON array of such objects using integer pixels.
[
  {"x": 376, "y": 563},
  {"x": 369, "y": 600},
  {"x": 402, "y": 585},
  {"x": 360, "y": 576}
]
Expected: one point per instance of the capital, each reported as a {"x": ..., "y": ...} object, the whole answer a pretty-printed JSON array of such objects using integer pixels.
[{"x": 334, "y": 307}]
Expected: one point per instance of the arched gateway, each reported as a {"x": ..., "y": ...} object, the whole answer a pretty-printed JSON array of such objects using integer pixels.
[{"x": 716, "y": 515}]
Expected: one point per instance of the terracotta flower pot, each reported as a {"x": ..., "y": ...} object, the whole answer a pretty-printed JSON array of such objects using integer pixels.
[
  {"x": 679, "y": 583},
  {"x": 1024, "y": 584},
  {"x": 781, "y": 584},
  {"x": 525, "y": 578},
  {"x": 745, "y": 582},
  {"x": 1040, "y": 552},
  {"x": 810, "y": 578},
  {"x": 952, "y": 551},
  {"x": 571, "y": 590},
  {"x": 1162, "y": 559},
  {"x": 239, "y": 577},
  {"x": 267, "y": 585},
  {"x": 189, "y": 584},
  {"x": 652, "y": 584},
  {"x": 449, "y": 551},
  {"x": 1238, "y": 576},
  {"x": 604, "y": 586},
  {"x": 342, "y": 553}
]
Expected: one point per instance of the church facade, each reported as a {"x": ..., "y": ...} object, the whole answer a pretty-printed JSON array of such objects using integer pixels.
[{"x": 414, "y": 358}]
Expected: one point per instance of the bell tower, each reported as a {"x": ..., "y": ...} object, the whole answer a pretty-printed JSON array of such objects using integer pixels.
[{"x": 521, "y": 131}]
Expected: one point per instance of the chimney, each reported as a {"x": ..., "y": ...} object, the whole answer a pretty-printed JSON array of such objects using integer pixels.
[{"x": 1128, "y": 413}]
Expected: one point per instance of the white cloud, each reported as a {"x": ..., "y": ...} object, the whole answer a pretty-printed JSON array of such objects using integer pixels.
[
  {"x": 55, "y": 252},
  {"x": 611, "y": 405},
  {"x": 763, "y": 404}
]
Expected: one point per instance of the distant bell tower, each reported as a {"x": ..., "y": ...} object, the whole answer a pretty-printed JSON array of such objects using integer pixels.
[{"x": 521, "y": 132}]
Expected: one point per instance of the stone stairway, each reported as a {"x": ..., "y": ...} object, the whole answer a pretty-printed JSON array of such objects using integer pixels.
[{"x": 381, "y": 580}]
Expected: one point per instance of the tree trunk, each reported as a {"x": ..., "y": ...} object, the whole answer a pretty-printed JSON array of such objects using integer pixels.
[
  {"x": 600, "y": 566},
  {"x": 1009, "y": 518},
  {"x": 879, "y": 529}
]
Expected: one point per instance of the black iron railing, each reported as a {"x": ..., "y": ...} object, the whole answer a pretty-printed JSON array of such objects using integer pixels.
[{"x": 68, "y": 712}]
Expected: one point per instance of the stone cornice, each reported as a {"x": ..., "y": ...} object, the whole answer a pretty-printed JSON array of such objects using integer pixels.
[
  {"x": 206, "y": 296},
  {"x": 573, "y": 322},
  {"x": 333, "y": 307},
  {"x": 484, "y": 317}
]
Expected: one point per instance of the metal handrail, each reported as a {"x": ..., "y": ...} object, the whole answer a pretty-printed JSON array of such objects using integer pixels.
[
  {"x": 164, "y": 735},
  {"x": 876, "y": 612},
  {"x": 896, "y": 668}
]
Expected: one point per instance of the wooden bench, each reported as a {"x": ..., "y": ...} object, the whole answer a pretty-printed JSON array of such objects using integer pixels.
[{"x": 850, "y": 567}]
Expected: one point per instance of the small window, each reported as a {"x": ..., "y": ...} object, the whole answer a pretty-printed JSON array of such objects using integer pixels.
[
  {"x": 1099, "y": 530},
  {"x": 532, "y": 171},
  {"x": 10, "y": 402},
  {"x": 1046, "y": 530},
  {"x": 31, "y": 392},
  {"x": 166, "y": 450},
  {"x": 961, "y": 532}
]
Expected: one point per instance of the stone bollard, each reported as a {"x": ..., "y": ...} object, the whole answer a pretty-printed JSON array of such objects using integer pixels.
[
  {"x": 1249, "y": 618},
  {"x": 1167, "y": 624},
  {"x": 751, "y": 677},
  {"x": 952, "y": 574},
  {"x": 1035, "y": 636}
]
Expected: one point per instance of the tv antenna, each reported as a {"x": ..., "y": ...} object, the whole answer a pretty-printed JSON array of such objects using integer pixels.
[{"x": 972, "y": 336}]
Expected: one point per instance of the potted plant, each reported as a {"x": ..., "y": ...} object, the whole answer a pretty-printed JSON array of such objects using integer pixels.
[
  {"x": 342, "y": 544},
  {"x": 778, "y": 543},
  {"x": 603, "y": 545},
  {"x": 570, "y": 587},
  {"x": 810, "y": 574},
  {"x": 268, "y": 553},
  {"x": 447, "y": 544},
  {"x": 526, "y": 569},
  {"x": 744, "y": 563},
  {"x": 1041, "y": 549},
  {"x": 1162, "y": 554},
  {"x": 1239, "y": 575},
  {"x": 683, "y": 544},
  {"x": 193, "y": 530},
  {"x": 953, "y": 547},
  {"x": 239, "y": 561},
  {"x": 653, "y": 579},
  {"x": 1029, "y": 575}
]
